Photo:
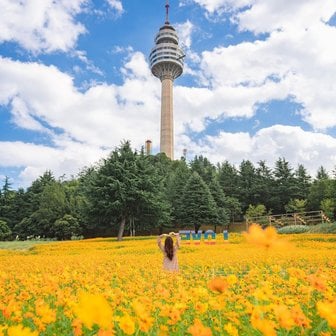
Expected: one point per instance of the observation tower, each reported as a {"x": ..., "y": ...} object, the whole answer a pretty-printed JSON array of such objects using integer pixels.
[{"x": 166, "y": 60}]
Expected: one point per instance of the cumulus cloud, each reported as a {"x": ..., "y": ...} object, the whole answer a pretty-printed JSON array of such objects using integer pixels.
[
  {"x": 296, "y": 60},
  {"x": 99, "y": 118},
  {"x": 41, "y": 25},
  {"x": 295, "y": 145},
  {"x": 36, "y": 159}
]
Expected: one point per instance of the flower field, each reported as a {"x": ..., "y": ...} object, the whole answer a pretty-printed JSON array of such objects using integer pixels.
[{"x": 257, "y": 284}]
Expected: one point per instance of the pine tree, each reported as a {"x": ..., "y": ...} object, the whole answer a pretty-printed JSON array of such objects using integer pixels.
[{"x": 199, "y": 207}]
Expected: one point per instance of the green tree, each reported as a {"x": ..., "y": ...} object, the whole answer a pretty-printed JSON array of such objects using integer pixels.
[
  {"x": 66, "y": 227},
  {"x": 228, "y": 179},
  {"x": 328, "y": 207},
  {"x": 5, "y": 231},
  {"x": 122, "y": 188},
  {"x": 322, "y": 174},
  {"x": 264, "y": 185},
  {"x": 6, "y": 203},
  {"x": 296, "y": 205},
  {"x": 199, "y": 207},
  {"x": 284, "y": 185},
  {"x": 217, "y": 193},
  {"x": 255, "y": 211},
  {"x": 247, "y": 182},
  {"x": 233, "y": 207},
  {"x": 204, "y": 168},
  {"x": 302, "y": 182},
  {"x": 319, "y": 190},
  {"x": 52, "y": 205},
  {"x": 34, "y": 192},
  {"x": 176, "y": 183}
]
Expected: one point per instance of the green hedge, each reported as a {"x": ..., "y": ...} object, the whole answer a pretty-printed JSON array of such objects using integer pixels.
[
  {"x": 293, "y": 229},
  {"x": 323, "y": 228}
]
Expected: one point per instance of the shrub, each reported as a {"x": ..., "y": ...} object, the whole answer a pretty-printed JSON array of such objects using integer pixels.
[
  {"x": 293, "y": 229},
  {"x": 5, "y": 231},
  {"x": 323, "y": 228}
]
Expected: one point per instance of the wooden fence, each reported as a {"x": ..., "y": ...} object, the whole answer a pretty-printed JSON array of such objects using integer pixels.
[{"x": 295, "y": 218}]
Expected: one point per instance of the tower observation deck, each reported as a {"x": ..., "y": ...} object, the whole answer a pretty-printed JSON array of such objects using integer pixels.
[{"x": 166, "y": 60}]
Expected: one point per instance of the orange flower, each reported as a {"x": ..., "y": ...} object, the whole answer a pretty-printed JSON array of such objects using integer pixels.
[
  {"x": 103, "y": 332},
  {"x": 299, "y": 317},
  {"x": 198, "y": 329},
  {"x": 284, "y": 317},
  {"x": 218, "y": 284},
  {"x": 317, "y": 282},
  {"x": 266, "y": 238}
]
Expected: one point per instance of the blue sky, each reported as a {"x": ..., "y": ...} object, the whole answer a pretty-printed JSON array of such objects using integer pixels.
[{"x": 258, "y": 84}]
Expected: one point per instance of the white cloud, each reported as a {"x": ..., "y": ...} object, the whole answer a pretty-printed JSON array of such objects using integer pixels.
[
  {"x": 297, "y": 60},
  {"x": 100, "y": 117},
  {"x": 36, "y": 159},
  {"x": 267, "y": 16},
  {"x": 117, "y": 5},
  {"x": 213, "y": 6},
  {"x": 295, "y": 145},
  {"x": 41, "y": 25},
  {"x": 184, "y": 31}
]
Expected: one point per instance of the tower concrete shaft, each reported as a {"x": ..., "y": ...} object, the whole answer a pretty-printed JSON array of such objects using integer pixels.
[
  {"x": 166, "y": 60},
  {"x": 167, "y": 120}
]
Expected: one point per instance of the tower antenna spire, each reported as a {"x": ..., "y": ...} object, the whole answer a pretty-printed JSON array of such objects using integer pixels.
[{"x": 167, "y": 12}]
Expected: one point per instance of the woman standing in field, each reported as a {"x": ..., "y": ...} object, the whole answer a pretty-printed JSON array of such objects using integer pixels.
[{"x": 170, "y": 262}]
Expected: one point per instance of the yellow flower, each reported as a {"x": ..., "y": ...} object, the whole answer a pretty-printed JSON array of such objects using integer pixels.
[
  {"x": 231, "y": 329},
  {"x": 127, "y": 325},
  {"x": 20, "y": 331},
  {"x": 265, "y": 326},
  {"x": 201, "y": 307},
  {"x": 231, "y": 279},
  {"x": 198, "y": 329},
  {"x": 94, "y": 309},
  {"x": 327, "y": 310}
]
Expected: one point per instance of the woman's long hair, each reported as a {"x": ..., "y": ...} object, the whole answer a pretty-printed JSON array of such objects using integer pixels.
[{"x": 169, "y": 247}]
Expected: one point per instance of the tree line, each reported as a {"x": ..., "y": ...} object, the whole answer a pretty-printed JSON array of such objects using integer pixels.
[{"x": 130, "y": 192}]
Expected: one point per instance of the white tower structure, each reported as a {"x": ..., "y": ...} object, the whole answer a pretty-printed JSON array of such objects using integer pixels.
[{"x": 166, "y": 60}]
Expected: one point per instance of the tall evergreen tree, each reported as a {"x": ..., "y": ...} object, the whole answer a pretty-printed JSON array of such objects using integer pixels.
[
  {"x": 204, "y": 168},
  {"x": 217, "y": 193},
  {"x": 199, "y": 207},
  {"x": 264, "y": 185},
  {"x": 247, "y": 184},
  {"x": 284, "y": 184},
  {"x": 302, "y": 182},
  {"x": 175, "y": 186},
  {"x": 322, "y": 174},
  {"x": 6, "y": 203},
  {"x": 228, "y": 179}
]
